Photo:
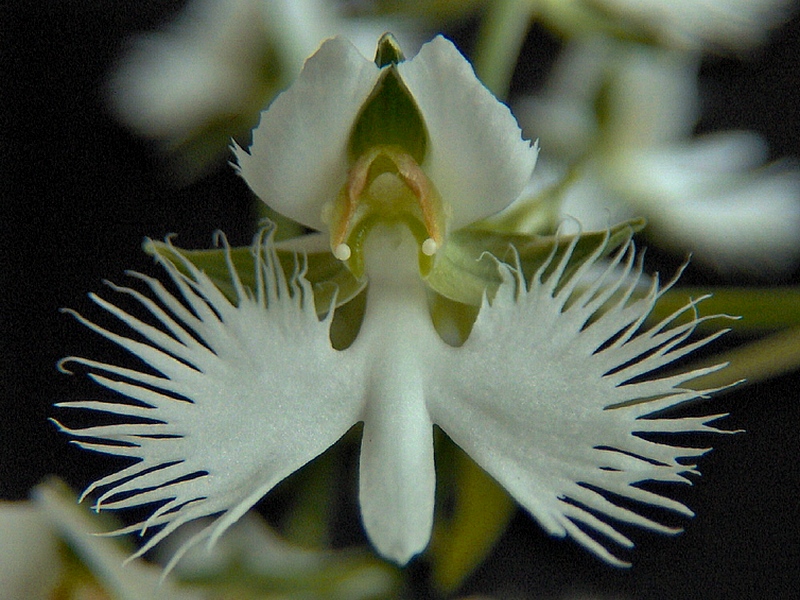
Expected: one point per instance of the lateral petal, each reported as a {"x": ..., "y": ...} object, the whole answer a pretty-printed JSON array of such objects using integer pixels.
[
  {"x": 298, "y": 159},
  {"x": 243, "y": 395},
  {"x": 477, "y": 158},
  {"x": 536, "y": 398}
]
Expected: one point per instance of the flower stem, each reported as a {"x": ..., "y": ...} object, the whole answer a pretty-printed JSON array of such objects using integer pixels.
[
  {"x": 768, "y": 357},
  {"x": 500, "y": 39},
  {"x": 761, "y": 309}
]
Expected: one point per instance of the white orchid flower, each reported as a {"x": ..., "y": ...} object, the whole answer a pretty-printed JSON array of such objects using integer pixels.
[
  {"x": 549, "y": 394},
  {"x": 711, "y": 195}
]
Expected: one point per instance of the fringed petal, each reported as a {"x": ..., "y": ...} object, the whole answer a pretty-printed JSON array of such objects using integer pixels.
[
  {"x": 232, "y": 399},
  {"x": 541, "y": 396}
]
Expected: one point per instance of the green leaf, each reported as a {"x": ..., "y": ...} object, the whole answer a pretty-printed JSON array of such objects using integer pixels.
[
  {"x": 760, "y": 309},
  {"x": 774, "y": 355},
  {"x": 465, "y": 268},
  {"x": 327, "y": 275}
]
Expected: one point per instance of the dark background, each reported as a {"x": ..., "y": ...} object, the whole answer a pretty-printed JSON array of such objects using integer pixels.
[{"x": 80, "y": 194}]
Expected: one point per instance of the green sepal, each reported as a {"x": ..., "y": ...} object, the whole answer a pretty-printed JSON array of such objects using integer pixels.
[
  {"x": 465, "y": 269},
  {"x": 389, "y": 117},
  {"x": 327, "y": 275},
  {"x": 388, "y": 51}
]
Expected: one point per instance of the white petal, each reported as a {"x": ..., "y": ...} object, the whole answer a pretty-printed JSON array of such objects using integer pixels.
[
  {"x": 548, "y": 404},
  {"x": 298, "y": 159},
  {"x": 242, "y": 395},
  {"x": 397, "y": 340},
  {"x": 477, "y": 158}
]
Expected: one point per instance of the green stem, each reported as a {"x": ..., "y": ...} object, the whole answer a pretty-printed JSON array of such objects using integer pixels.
[
  {"x": 500, "y": 40},
  {"x": 760, "y": 309},
  {"x": 771, "y": 356}
]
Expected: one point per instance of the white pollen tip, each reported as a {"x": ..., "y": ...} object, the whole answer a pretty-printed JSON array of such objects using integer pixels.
[
  {"x": 429, "y": 247},
  {"x": 342, "y": 252}
]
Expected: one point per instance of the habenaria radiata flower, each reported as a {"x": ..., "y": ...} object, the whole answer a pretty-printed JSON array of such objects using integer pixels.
[{"x": 553, "y": 392}]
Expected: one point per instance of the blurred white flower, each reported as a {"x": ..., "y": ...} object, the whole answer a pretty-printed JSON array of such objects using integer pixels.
[
  {"x": 618, "y": 118},
  {"x": 255, "y": 554},
  {"x": 32, "y": 563},
  {"x": 29, "y": 553},
  {"x": 209, "y": 73},
  {"x": 696, "y": 23},
  {"x": 211, "y": 61},
  {"x": 680, "y": 24}
]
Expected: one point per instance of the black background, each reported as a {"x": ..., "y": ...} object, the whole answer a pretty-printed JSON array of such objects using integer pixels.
[{"x": 80, "y": 194}]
